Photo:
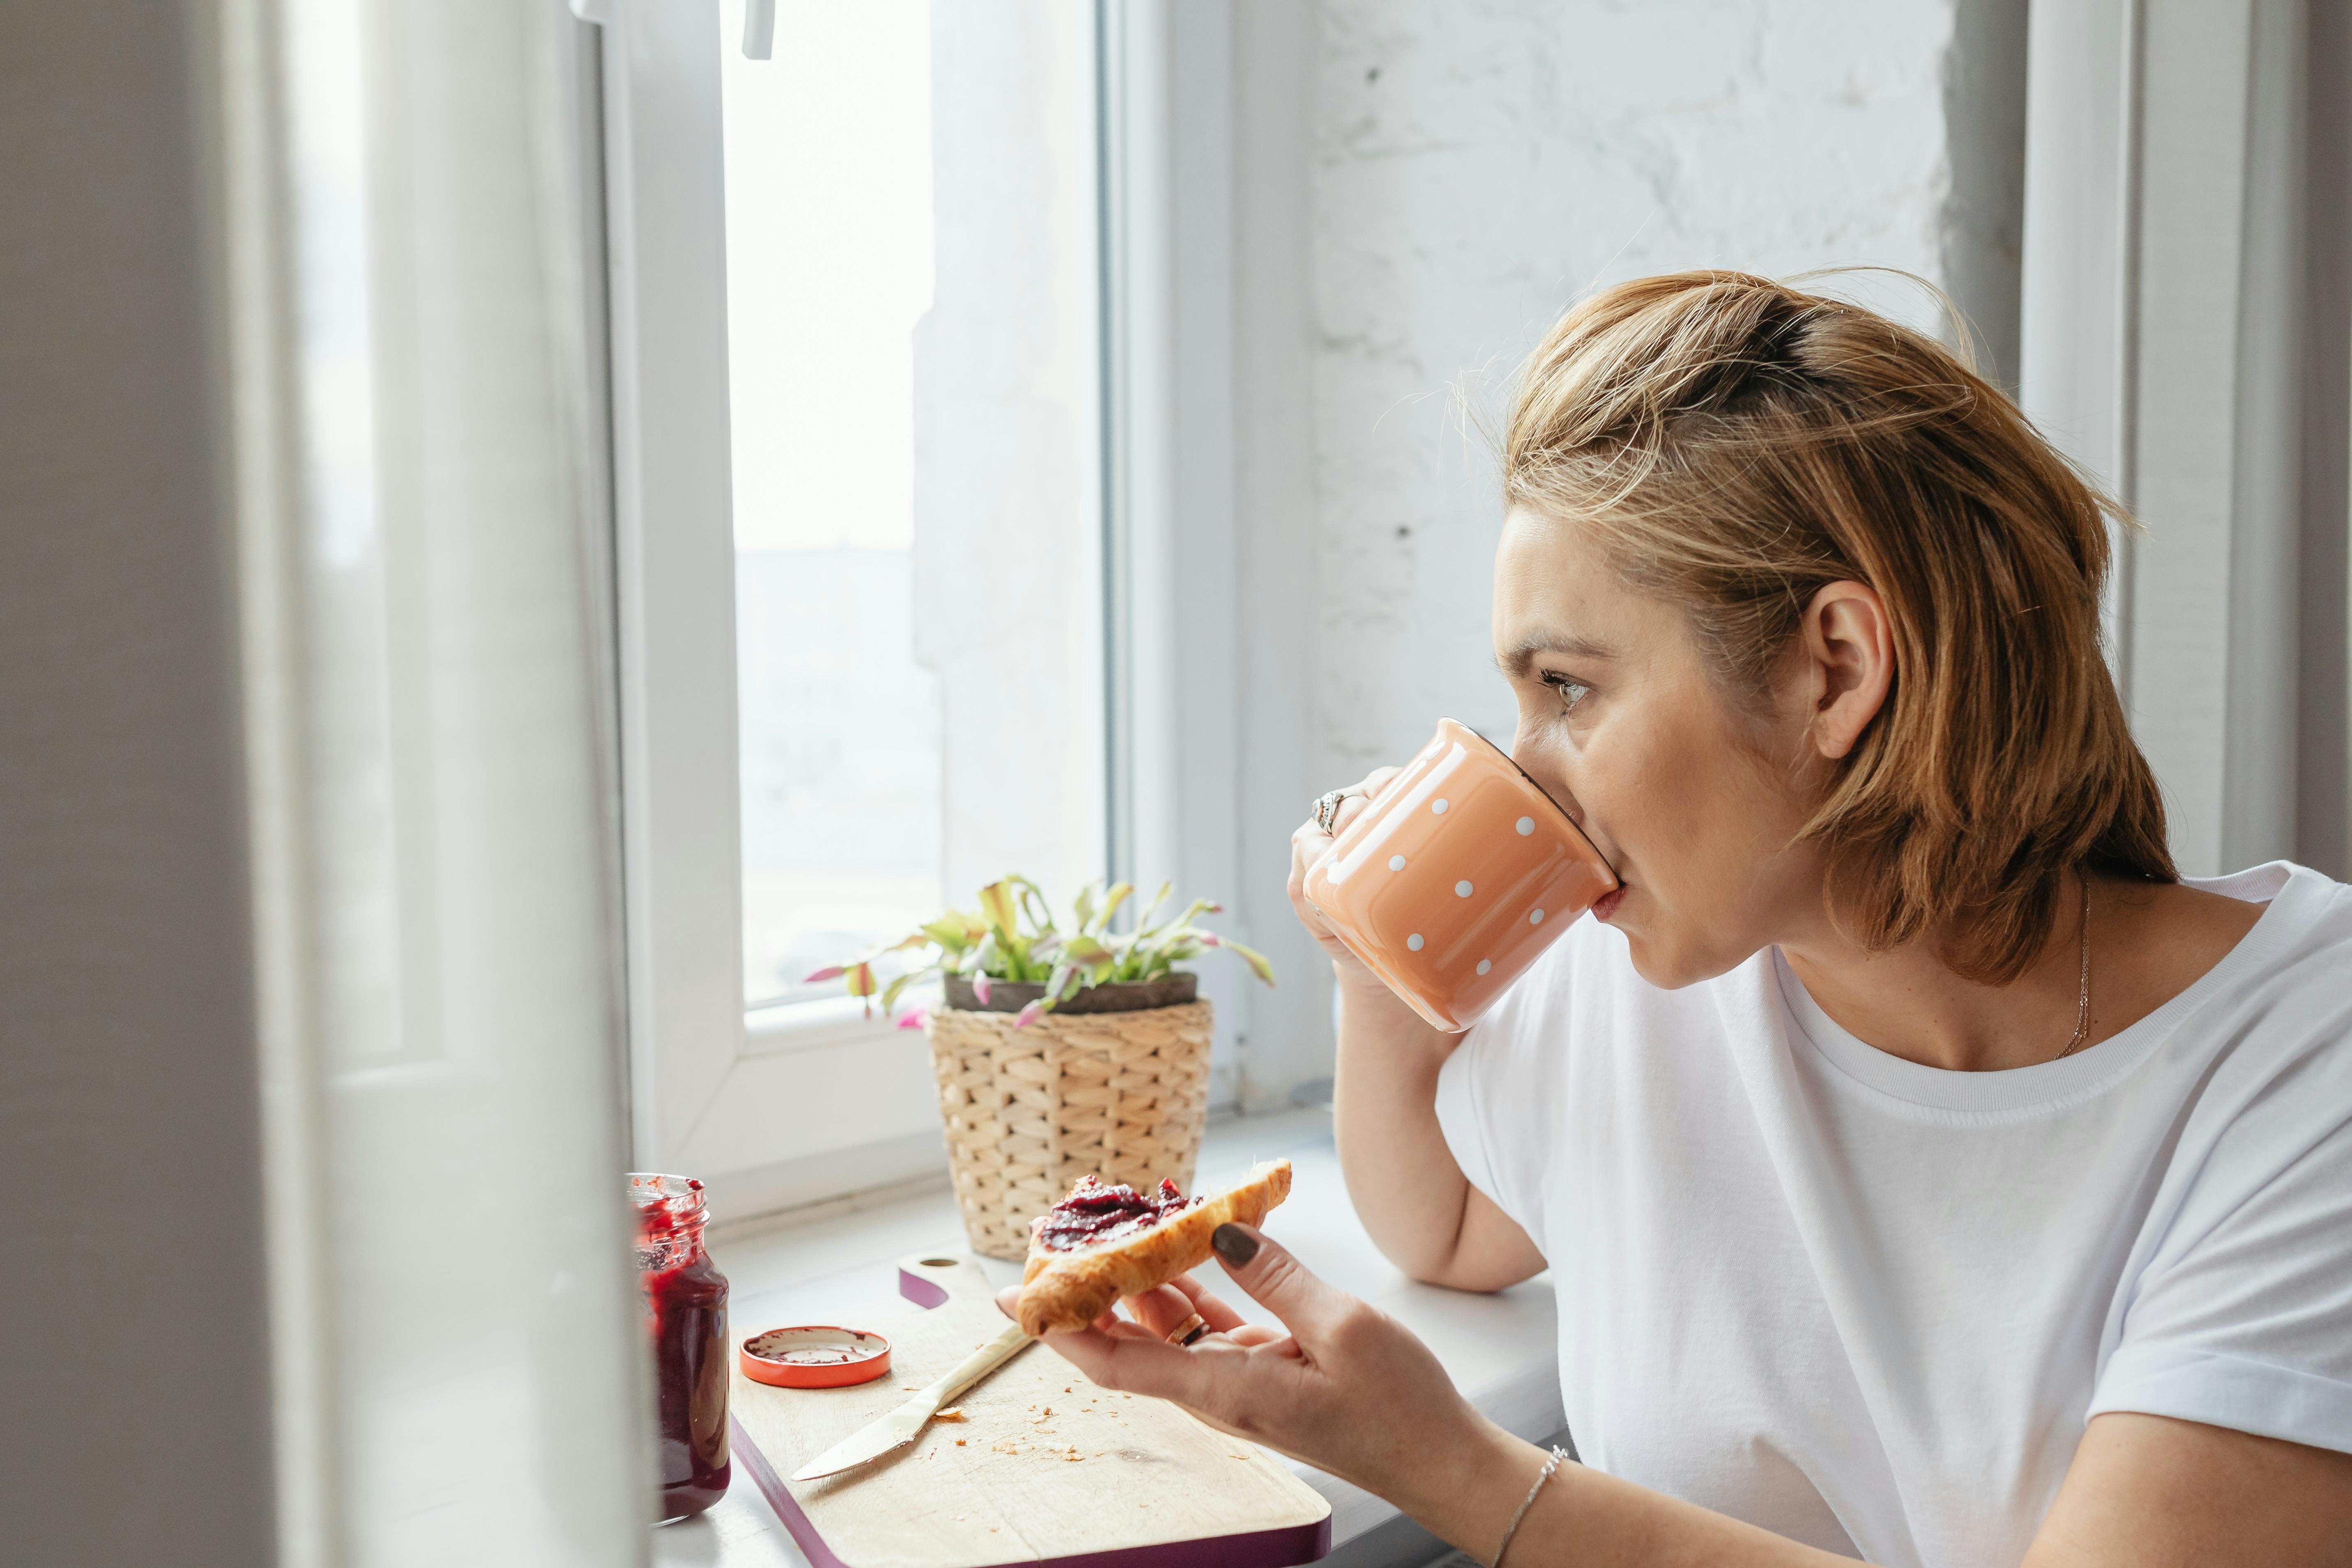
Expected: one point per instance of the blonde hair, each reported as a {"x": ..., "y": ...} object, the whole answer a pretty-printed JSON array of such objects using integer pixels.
[{"x": 1733, "y": 446}]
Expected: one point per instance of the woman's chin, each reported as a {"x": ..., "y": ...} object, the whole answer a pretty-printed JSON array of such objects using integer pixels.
[{"x": 1670, "y": 966}]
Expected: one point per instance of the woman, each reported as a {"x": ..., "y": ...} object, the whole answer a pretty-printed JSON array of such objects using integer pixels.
[{"x": 1925, "y": 1172}]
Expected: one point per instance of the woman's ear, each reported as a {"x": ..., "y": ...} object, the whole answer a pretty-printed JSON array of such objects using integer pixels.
[{"x": 1850, "y": 647}]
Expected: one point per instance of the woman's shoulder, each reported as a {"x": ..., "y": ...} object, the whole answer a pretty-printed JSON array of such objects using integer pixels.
[
  {"x": 2263, "y": 934},
  {"x": 2259, "y": 1042}
]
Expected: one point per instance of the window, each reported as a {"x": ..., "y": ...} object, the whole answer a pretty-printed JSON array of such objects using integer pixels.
[
  {"x": 829, "y": 263},
  {"x": 857, "y": 367}
]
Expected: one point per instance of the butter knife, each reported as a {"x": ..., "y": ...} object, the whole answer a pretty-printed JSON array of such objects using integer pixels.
[{"x": 900, "y": 1427}]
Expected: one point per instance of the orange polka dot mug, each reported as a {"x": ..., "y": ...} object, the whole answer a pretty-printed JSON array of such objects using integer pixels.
[{"x": 1450, "y": 884}]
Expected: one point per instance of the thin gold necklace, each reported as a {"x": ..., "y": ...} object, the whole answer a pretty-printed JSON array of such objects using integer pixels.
[{"x": 2081, "y": 1008}]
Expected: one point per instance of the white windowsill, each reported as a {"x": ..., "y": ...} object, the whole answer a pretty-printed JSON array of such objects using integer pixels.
[
  {"x": 813, "y": 1026},
  {"x": 1501, "y": 1349}
]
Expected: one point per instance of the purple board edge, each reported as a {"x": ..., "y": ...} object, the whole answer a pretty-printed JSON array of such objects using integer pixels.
[
  {"x": 920, "y": 1291},
  {"x": 780, "y": 1497},
  {"x": 1287, "y": 1547}
]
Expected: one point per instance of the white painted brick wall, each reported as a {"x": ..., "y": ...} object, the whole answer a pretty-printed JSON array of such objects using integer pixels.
[{"x": 1477, "y": 166}]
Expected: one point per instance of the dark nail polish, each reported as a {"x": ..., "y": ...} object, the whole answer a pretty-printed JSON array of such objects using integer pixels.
[{"x": 1236, "y": 1245}]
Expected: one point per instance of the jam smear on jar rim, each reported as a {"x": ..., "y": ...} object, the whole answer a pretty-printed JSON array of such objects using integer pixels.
[
  {"x": 686, "y": 1311},
  {"x": 1097, "y": 1211}
]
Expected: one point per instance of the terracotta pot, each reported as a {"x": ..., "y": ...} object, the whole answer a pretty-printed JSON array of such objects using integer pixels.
[{"x": 1171, "y": 990}]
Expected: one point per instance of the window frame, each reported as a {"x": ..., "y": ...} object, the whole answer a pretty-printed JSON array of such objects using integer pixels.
[
  {"x": 716, "y": 1089},
  {"x": 693, "y": 1047}
]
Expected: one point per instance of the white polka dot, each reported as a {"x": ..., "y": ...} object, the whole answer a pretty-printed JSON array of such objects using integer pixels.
[
  {"x": 1438, "y": 805},
  {"x": 1527, "y": 826},
  {"x": 1414, "y": 941},
  {"x": 1534, "y": 916},
  {"x": 1484, "y": 965},
  {"x": 1396, "y": 862},
  {"x": 1461, "y": 889}
]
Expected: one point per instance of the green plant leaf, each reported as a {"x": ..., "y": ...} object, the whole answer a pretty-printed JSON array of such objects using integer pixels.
[
  {"x": 1085, "y": 949},
  {"x": 1143, "y": 921},
  {"x": 996, "y": 904},
  {"x": 950, "y": 932},
  {"x": 1254, "y": 959},
  {"x": 1197, "y": 906},
  {"x": 1120, "y": 893},
  {"x": 1034, "y": 904},
  {"x": 890, "y": 992},
  {"x": 1083, "y": 906}
]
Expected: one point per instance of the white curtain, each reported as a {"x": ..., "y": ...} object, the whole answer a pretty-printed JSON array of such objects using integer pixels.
[
  {"x": 456, "y": 1343},
  {"x": 2184, "y": 335}
]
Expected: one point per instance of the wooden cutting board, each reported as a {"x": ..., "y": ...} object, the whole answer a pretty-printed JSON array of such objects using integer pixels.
[{"x": 1105, "y": 1480}]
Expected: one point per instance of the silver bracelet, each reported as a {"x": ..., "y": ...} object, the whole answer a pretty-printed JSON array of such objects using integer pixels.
[{"x": 1530, "y": 1502}]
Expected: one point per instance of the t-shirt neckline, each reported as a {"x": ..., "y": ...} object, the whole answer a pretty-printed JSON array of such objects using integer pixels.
[{"x": 2048, "y": 1085}]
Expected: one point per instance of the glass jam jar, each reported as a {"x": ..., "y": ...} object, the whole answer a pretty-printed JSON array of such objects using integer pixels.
[{"x": 685, "y": 1313}]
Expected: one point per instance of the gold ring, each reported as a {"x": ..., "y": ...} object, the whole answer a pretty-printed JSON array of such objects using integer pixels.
[{"x": 1185, "y": 1332}]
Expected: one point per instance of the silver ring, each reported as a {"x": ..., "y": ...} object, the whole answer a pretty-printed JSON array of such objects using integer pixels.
[{"x": 1326, "y": 808}]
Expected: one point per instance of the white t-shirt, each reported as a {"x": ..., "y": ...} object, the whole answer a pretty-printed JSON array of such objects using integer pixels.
[{"x": 1872, "y": 1305}]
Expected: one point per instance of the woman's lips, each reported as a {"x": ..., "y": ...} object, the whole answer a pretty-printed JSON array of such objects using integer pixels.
[{"x": 1606, "y": 905}]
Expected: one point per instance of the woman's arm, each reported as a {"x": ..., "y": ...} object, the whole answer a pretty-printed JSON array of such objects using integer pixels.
[
  {"x": 1348, "y": 1389},
  {"x": 1408, "y": 1189},
  {"x": 2149, "y": 1490},
  {"x": 1415, "y": 1203}
]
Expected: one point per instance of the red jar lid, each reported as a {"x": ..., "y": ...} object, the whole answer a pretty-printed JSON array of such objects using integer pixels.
[{"x": 815, "y": 1355}]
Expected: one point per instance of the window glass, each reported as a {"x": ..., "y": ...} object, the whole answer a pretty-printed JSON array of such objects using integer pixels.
[{"x": 829, "y": 264}]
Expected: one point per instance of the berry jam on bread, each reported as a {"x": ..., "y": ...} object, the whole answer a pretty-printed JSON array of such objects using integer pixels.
[{"x": 1103, "y": 1242}]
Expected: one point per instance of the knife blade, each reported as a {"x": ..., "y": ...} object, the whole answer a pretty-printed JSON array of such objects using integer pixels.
[{"x": 901, "y": 1426}]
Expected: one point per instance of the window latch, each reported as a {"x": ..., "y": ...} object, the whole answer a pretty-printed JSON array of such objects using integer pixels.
[{"x": 758, "y": 29}]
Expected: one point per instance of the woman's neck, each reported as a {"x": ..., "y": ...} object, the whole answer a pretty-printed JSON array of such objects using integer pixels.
[{"x": 2148, "y": 942}]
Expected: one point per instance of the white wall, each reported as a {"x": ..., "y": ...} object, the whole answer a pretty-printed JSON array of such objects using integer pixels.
[
  {"x": 1476, "y": 171},
  {"x": 1469, "y": 171}
]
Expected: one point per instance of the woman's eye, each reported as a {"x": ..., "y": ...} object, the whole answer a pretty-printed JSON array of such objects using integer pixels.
[{"x": 1571, "y": 693}]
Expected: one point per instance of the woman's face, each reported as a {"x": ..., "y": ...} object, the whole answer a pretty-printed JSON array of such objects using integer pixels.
[{"x": 1675, "y": 787}]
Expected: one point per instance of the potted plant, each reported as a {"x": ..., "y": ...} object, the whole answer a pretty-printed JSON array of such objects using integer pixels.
[{"x": 1059, "y": 1053}]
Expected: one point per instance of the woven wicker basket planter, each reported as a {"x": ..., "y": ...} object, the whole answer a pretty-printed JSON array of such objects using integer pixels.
[{"x": 1028, "y": 1111}]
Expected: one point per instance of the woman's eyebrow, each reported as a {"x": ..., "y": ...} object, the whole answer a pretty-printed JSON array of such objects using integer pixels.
[{"x": 1517, "y": 660}]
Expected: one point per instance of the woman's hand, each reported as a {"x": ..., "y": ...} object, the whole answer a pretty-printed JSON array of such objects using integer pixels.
[
  {"x": 1346, "y": 1388},
  {"x": 1308, "y": 845},
  {"x": 1420, "y": 1209}
]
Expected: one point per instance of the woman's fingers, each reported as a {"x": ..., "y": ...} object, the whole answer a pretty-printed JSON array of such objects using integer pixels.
[
  {"x": 1158, "y": 1312},
  {"x": 1310, "y": 844},
  {"x": 1213, "y": 1312},
  {"x": 1132, "y": 1358},
  {"x": 1257, "y": 1334},
  {"x": 1278, "y": 1282},
  {"x": 1360, "y": 797},
  {"x": 1161, "y": 1310}
]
